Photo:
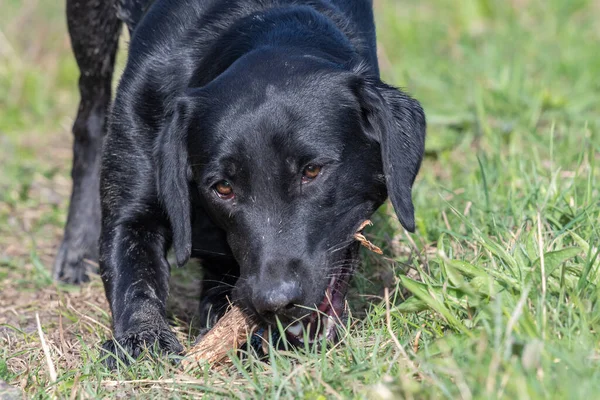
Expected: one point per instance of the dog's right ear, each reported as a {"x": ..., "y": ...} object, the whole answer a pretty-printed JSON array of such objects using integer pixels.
[
  {"x": 174, "y": 176},
  {"x": 397, "y": 122}
]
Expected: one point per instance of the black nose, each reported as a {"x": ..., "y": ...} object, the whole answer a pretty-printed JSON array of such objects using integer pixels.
[{"x": 277, "y": 299}]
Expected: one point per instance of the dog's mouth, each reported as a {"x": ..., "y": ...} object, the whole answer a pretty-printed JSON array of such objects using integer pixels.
[{"x": 323, "y": 323}]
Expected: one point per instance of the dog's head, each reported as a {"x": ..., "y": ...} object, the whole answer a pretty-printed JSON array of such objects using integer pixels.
[{"x": 289, "y": 160}]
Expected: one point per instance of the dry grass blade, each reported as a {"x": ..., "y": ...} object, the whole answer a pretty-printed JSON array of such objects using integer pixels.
[
  {"x": 416, "y": 341},
  {"x": 543, "y": 272},
  {"x": 46, "y": 349},
  {"x": 388, "y": 320},
  {"x": 327, "y": 387}
]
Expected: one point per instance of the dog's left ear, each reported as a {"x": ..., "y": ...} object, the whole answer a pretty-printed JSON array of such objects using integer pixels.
[
  {"x": 397, "y": 122},
  {"x": 174, "y": 176}
]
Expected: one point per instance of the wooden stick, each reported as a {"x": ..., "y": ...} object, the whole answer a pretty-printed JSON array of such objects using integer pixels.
[{"x": 230, "y": 332}]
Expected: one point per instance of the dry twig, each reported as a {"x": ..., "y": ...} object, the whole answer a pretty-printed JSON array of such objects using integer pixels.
[{"x": 364, "y": 241}]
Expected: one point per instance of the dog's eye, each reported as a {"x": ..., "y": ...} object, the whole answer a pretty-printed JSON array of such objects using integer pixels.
[
  {"x": 224, "y": 189},
  {"x": 311, "y": 171}
]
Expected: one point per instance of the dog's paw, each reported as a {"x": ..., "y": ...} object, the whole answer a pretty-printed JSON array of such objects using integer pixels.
[
  {"x": 128, "y": 347},
  {"x": 72, "y": 263}
]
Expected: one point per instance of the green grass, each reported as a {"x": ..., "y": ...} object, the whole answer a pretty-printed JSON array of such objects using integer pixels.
[{"x": 503, "y": 269}]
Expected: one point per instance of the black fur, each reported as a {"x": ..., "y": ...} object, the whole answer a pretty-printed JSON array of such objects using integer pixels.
[
  {"x": 248, "y": 91},
  {"x": 94, "y": 29}
]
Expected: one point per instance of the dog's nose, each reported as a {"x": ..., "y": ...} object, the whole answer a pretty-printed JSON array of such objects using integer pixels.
[{"x": 277, "y": 299}]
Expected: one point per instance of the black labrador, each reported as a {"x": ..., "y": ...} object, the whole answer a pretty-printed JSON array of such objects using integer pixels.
[{"x": 255, "y": 135}]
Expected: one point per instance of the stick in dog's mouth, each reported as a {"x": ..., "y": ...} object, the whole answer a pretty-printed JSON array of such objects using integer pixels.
[
  {"x": 234, "y": 328},
  {"x": 363, "y": 240}
]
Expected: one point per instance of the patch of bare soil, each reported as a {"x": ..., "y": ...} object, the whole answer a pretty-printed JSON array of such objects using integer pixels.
[
  {"x": 68, "y": 318},
  {"x": 73, "y": 318}
]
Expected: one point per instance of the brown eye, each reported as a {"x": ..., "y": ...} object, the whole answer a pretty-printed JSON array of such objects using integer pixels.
[
  {"x": 310, "y": 172},
  {"x": 224, "y": 189}
]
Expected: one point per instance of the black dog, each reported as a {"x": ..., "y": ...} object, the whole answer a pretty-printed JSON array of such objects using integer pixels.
[{"x": 253, "y": 134}]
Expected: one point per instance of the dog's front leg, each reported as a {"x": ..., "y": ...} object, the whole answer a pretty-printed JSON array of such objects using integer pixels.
[{"x": 136, "y": 277}]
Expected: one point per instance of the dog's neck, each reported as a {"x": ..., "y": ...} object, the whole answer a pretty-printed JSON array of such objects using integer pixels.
[{"x": 301, "y": 30}]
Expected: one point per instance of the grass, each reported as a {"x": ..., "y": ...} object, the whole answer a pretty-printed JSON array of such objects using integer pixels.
[{"x": 500, "y": 280}]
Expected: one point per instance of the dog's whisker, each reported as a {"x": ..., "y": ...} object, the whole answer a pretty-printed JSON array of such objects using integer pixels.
[
  {"x": 216, "y": 253},
  {"x": 339, "y": 246},
  {"x": 221, "y": 284}
]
